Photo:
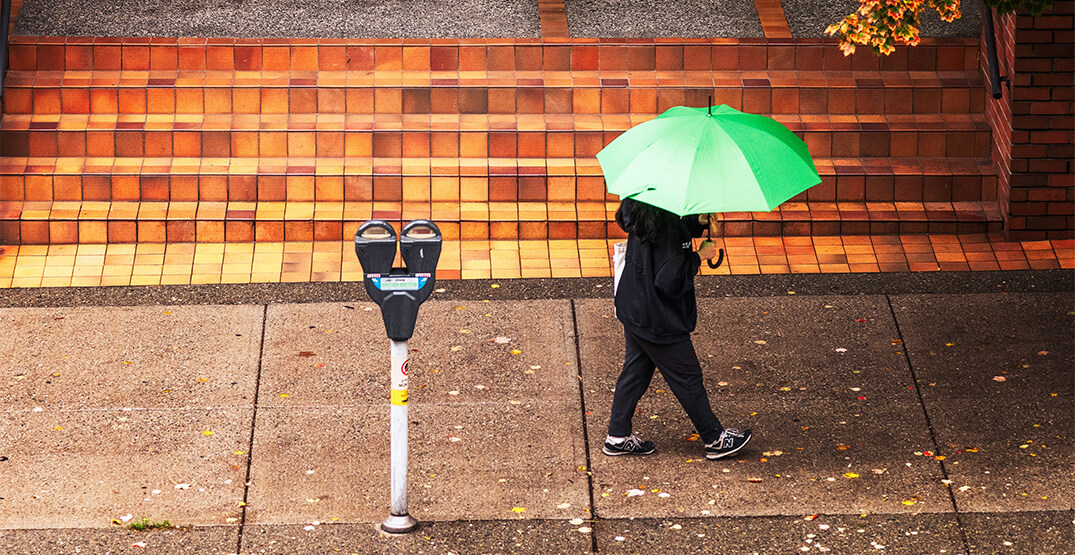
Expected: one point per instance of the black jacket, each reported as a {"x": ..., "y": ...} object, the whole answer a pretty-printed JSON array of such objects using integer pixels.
[{"x": 655, "y": 297}]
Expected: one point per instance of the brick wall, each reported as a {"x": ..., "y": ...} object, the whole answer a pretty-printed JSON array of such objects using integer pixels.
[{"x": 1034, "y": 125}]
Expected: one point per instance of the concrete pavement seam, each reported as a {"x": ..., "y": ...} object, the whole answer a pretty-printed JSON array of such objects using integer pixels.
[
  {"x": 585, "y": 430},
  {"x": 929, "y": 423},
  {"x": 253, "y": 426},
  {"x": 767, "y": 285}
]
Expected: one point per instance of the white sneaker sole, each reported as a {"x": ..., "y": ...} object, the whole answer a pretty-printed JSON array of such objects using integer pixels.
[
  {"x": 618, "y": 453},
  {"x": 715, "y": 456}
]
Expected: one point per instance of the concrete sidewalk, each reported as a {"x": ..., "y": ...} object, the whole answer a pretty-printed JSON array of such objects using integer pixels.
[{"x": 907, "y": 421}]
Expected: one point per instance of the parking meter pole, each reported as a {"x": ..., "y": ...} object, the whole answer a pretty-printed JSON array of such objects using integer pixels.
[
  {"x": 400, "y": 521},
  {"x": 399, "y": 292}
]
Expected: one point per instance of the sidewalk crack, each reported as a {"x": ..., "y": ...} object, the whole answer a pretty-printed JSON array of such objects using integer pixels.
[
  {"x": 253, "y": 425},
  {"x": 585, "y": 431},
  {"x": 929, "y": 424}
]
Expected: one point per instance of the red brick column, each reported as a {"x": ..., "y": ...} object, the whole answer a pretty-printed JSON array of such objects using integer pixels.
[{"x": 1034, "y": 125}]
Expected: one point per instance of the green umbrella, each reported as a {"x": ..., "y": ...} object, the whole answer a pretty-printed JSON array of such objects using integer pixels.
[{"x": 703, "y": 160}]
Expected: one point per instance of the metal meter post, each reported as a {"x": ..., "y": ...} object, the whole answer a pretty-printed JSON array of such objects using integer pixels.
[{"x": 399, "y": 292}]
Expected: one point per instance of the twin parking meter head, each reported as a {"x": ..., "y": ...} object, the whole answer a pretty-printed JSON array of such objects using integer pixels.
[{"x": 398, "y": 291}]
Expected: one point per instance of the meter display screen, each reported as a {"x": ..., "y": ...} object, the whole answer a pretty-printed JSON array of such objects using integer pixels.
[{"x": 402, "y": 283}]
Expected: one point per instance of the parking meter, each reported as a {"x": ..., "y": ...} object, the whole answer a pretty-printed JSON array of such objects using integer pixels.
[{"x": 399, "y": 292}]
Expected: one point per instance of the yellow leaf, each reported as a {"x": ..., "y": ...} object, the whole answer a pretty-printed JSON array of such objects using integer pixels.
[
  {"x": 850, "y": 475},
  {"x": 203, "y": 379},
  {"x": 284, "y": 395},
  {"x": 495, "y": 286},
  {"x": 239, "y": 452},
  {"x": 518, "y": 509},
  {"x": 207, "y": 433},
  {"x": 908, "y": 502},
  {"x": 58, "y": 428},
  {"x": 516, "y": 352}
]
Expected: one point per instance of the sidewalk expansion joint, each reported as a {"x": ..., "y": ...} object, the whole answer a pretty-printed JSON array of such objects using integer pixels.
[
  {"x": 585, "y": 430},
  {"x": 929, "y": 424},
  {"x": 253, "y": 426}
]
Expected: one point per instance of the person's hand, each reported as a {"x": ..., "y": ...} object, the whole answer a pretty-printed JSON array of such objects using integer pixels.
[{"x": 707, "y": 250}]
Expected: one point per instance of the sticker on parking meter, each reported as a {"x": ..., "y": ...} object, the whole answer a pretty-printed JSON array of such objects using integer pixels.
[
  {"x": 399, "y": 381},
  {"x": 401, "y": 283}
]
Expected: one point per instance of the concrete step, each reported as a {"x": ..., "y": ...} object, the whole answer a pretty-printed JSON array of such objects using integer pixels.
[
  {"x": 253, "y": 135},
  {"x": 490, "y": 92},
  {"x": 90, "y": 222},
  {"x": 462, "y": 55}
]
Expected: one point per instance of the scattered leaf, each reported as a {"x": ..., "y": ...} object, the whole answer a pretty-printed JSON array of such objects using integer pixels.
[
  {"x": 999, "y": 378},
  {"x": 850, "y": 475}
]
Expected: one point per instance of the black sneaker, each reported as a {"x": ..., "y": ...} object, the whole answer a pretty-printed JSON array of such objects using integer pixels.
[
  {"x": 633, "y": 445},
  {"x": 728, "y": 444}
]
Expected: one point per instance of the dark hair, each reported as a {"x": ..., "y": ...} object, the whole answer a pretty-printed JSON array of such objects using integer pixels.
[{"x": 649, "y": 223}]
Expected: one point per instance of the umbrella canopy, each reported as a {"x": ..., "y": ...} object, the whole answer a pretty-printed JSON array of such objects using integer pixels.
[{"x": 703, "y": 160}]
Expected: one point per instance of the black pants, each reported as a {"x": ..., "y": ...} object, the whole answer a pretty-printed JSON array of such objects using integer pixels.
[{"x": 679, "y": 365}]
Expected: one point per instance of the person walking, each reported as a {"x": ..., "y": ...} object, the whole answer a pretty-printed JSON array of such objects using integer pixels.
[{"x": 655, "y": 301}]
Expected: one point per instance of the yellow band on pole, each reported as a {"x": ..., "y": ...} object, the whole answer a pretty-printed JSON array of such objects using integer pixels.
[{"x": 399, "y": 397}]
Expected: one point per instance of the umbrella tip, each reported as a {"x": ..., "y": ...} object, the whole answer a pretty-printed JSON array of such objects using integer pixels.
[{"x": 710, "y": 105}]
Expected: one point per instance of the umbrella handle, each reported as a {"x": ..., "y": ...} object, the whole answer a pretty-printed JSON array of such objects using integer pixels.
[
  {"x": 720, "y": 260},
  {"x": 709, "y": 236}
]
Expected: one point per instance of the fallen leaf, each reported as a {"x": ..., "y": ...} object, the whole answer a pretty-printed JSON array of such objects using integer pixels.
[
  {"x": 999, "y": 378},
  {"x": 753, "y": 479},
  {"x": 518, "y": 509},
  {"x": 516, "y": 352},
  {"x": 850, "y": 475},
  {"x": 760, "y": 342},
  {"x": 502, "y": 340}
]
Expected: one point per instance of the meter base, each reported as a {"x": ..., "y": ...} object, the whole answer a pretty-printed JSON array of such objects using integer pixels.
[{"x": 399, "y": 524}]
